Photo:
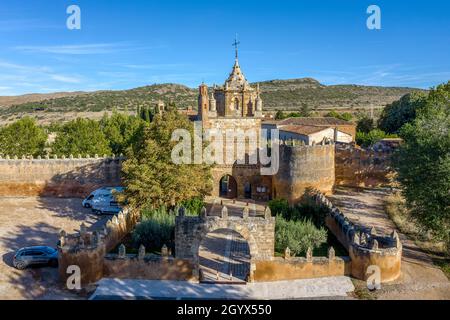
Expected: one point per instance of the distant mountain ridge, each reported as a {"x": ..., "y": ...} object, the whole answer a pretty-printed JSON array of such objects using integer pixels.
[{"x": 276, "y": 94}]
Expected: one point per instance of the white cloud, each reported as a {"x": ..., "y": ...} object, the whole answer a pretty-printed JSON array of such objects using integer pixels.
[
  {"x": 65, "y": 79},
  {"x": 82, "y": 49}
]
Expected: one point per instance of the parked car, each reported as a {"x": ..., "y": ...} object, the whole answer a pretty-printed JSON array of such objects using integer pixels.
[
  {"x": 34, "y": 256},
  {"x": 101, "y": 196},
  {"x": 111, "y": 207}
]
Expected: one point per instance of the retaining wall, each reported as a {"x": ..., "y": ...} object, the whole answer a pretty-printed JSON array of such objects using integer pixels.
[{"x": 68, "y": 177}]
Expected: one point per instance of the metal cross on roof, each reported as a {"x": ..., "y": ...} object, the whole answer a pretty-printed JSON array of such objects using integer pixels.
[{"x": 236, "y": 44}]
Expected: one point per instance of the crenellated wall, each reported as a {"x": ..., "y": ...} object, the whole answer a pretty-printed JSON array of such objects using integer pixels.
[
  {"x": 359, "y": 167},
  {"x": 87, "y": 249},
  {"x": 65, "y": 177},
  {"x": 365, "y": 246}
]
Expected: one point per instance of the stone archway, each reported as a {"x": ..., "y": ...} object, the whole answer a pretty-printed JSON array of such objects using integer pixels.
[
  {"x": 236, "y": 228},
  {"x": 224, "y": 257},
  {"x": 228, "y": 187}
]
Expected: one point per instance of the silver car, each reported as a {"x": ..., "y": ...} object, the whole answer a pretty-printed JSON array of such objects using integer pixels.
[{"x": 34, "y": 256}]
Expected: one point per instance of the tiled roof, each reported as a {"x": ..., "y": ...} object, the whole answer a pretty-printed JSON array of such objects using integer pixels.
[
  {"x": 314, "y": 121},
  {"x": 304, "y": 130}
]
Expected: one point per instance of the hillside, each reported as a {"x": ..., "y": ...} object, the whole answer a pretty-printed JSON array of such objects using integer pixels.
[{"x": 276, "y": 94}]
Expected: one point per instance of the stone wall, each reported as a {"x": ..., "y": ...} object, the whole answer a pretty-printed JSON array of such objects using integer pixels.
[
  {"x": 87, "y": 249},
  {"x": 150, "y": 267},
  {"x": 365, "y": 246},
  {"x": 67, "y": 177},
  {"x": 303, "y": 167},
  {"x": 279, "y": 269},
  {"x": 359, "y": 167}
]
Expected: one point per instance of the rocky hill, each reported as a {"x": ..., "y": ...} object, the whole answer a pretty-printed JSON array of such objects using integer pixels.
[{"x": 277, "y": 95}]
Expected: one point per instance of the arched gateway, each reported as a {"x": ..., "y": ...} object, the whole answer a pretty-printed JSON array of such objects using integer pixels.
[{"x": 258, "y": 232}]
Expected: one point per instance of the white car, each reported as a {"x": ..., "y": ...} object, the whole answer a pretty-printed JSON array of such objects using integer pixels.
[{"x": 102, "y": 197}]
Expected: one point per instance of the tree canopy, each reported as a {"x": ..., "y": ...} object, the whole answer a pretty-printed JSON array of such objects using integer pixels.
[
  {"x": 150, "y": 176},
  {"x": 81, "y": 136},
  {"x": 423, "y": 162},
  {"x": 121, "y": 130},
  {"x": 400, "y": 112},
  {"x": 23, "y": 137}
]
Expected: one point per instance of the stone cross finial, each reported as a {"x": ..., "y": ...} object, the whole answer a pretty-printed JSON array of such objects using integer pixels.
[
  {"x": 331, "y": 254},
  {"x": 267, "y": 213},
  {"x": 181, "y": 211},
  {"x": 224, "y": 212},
  {"x": 375, "y": 245},
  {"x": 164, "y": 251},
  {"x": 394, "y": 234},
  {"x": 141, "y": 252},
  {"x": 373, "y": 231},
  {"x": 122, "y": 251},
  {"x": 363, "y": 239},
  {"x": 245, "y": 213},
  {"x": 62, "y": 238},
  {"x": 309, "y": 255},
  {"x": 203, "y": 213},
  {"x": 83, "y": 229},
  {"x": 95, "y": 238},
  {"x": 287, "y": 253}
]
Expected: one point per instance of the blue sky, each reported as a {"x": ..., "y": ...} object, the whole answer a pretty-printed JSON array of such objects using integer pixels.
[{"x": 125, "y": 44}]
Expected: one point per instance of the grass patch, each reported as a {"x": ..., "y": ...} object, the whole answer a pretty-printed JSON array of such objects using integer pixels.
[
  {"x": 444, "y": 265},
  {"x": 362, "y": 292},
  {"x": 395, "y": 207}
]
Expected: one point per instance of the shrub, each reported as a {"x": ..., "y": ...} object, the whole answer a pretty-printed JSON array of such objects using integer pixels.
[
  {"x": 279, "y": 207},
  {"x": 372, "y": 137},
  {"x": 299, "y": 212},
  {"x": 156, "y": 229},
  {"x": 298, "y": 236},
  {"x": 194, "y": 205}
]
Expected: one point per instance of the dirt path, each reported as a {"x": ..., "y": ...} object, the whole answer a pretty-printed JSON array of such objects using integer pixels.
[{"x": 420, "y": 279}]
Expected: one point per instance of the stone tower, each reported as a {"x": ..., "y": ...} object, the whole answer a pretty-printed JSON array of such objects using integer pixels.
[
  {"x": 203, "y": 102},
  {"x": 235, "y": 99}
]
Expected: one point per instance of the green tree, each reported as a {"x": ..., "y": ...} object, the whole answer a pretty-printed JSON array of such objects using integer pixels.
[
  {"x": 150, "y": 176},
  {"x": 81, "y": 136},
  {"x": 365, "y": 124},
  {"x": 305, "y": 110},
  {"x": 280, "y": 115},
  {"x": 372, "y": 137},
  {"x": 423, "y": 163},
  {"x": 121, "y": 130},
  {"x": 23, "y": 137},
  {"x": 400, "y": 112},
  {"x": 347, "y": 116}
]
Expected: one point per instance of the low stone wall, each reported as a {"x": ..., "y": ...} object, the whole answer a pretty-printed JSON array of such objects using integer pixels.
[
  {"x": 64, "y": 177},
  {"x": 150, "y": 267},
  {"x": 365, "y": 246},
  {"x": 279, "y": 269},
  {"x": 87, "y": 249},
  {"x": 357, "y": 167}
]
